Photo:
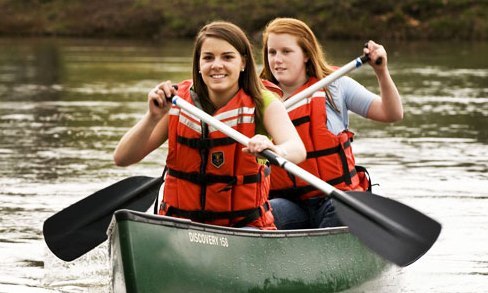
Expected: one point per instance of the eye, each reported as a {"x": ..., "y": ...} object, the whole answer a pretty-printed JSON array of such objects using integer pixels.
[
  {"x": 207, "y": 57},
  {"x": 271, "y": 52}
]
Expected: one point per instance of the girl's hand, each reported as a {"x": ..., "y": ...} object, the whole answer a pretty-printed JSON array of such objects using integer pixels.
[
  {"x": 159, "y": 98},
  {"x": 377, "y": 55},
  {"x": 257, "y": 144}
]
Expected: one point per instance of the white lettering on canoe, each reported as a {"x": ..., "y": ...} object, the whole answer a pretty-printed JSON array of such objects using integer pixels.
[{"x": 208, "y": 239}]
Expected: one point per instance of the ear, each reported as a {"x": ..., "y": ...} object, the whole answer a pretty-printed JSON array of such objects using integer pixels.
[{"x": 243, "y": 63}]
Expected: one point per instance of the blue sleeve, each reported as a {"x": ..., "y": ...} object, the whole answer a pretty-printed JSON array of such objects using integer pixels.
[{"x": 357, "y": 98}]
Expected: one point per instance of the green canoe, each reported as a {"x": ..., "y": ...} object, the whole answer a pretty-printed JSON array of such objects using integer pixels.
[{"x": 151, "y": 253}]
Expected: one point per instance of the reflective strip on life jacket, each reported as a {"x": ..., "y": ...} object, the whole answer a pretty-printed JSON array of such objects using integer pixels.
[{"x": 230, "y": 118}]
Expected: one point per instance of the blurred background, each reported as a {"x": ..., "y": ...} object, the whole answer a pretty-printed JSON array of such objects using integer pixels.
[{"x": 345, "y": 19}]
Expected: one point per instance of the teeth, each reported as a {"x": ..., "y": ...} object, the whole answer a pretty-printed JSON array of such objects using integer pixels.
[{"x": 218, "y": 76}]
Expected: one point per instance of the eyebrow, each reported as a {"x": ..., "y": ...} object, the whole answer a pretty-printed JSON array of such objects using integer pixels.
[
  {"x": 282, "y": 48},
  {"x": 223, "y": 53}
]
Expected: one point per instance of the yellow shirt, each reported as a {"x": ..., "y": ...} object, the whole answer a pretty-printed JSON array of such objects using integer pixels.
[{"x": 268, "y": 98}]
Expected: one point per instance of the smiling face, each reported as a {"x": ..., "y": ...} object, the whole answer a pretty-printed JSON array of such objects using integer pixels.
[
  {"x": 287, "y": 61},
  {"x": 220, "y": 66}
]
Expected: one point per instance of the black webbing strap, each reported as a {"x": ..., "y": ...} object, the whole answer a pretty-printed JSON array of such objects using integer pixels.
[
  {"x": 252, "y": 216},
  {"x": 329, "y": 151},
  {"x": 198, "y": 178},
  {"x": 299, "y": 121},
  {"x": 362, "y": 169},
  {"x": 294, "y": 193},
  {"x": 346, "y": 176},
  {"x": 249, "y": 215},
  {"x": 204, "y": 143}
]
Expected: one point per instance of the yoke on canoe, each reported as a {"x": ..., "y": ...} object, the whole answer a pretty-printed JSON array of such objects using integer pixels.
[{"x": 152, "y": 253}]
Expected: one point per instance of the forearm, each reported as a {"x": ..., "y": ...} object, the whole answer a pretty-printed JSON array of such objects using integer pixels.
[
  {"x": 291, "y": 150},
  {"x": 390, "y": 97},
  {"x": 287, "y": 142},
  {"x": 389, "y": 108},
  {"x": 135, "y": 144}
]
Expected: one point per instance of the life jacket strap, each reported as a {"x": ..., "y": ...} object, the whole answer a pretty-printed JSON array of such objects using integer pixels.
[
  {"x": 299, "y": 121},
  {"x": 329, "y": 151},
  {"x": 294, "y": 193},
  {"x": 249, "y": 215},
  {"x": 198, "y": 178},
  {"x": 204, "y": 143},
  {"x": 364, "y": 178}
]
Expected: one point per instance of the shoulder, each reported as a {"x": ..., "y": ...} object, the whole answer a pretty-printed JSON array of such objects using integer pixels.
[
  {"x": 268, "y": 98},
  {"x": 345, "y": 87},
  {"x": 345, "y": 81},
  {"x": 354, "y": 96}
]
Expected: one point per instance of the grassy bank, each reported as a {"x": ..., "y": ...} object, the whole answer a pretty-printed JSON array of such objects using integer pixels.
[{"x": 345, "y": 19}]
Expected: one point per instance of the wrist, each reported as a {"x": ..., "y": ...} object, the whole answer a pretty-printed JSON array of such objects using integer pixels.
[{"x": 151, "y": 118}]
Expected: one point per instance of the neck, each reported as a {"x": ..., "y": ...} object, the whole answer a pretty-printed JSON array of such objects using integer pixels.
[
  {"x": 221, "y": 99},
  {"x": 290, "y": 89}
]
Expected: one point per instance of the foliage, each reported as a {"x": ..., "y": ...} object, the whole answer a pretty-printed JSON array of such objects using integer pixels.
[{"x": 345, "y": 19}]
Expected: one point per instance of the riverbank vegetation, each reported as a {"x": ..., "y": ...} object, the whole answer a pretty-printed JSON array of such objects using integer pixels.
[{"x": 345, "y": 19}]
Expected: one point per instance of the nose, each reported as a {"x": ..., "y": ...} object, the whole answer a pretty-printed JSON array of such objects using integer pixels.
[
  {"x": 217, "y": 63},
  {"x": 278, "y": 58}
]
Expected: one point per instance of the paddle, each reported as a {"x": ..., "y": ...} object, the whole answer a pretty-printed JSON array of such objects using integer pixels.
[
  {"x": 82, "y": 226},
  {"x": 395, "y": 231},
  {"x": 341, "y": 71}
]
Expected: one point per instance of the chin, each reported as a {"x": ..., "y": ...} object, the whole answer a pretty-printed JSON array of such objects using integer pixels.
[
  {"x": 217, "y": 87},
  {"x": 282, "y": 80}
]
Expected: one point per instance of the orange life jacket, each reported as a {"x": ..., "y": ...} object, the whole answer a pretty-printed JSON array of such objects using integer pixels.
[
  {"x": 329, "y": 156},
  {"x": 272, "y": 87},
  {"x": 209, "y": 179}
]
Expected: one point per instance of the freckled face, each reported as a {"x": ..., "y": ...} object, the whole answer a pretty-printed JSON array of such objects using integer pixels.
[
  {"x": 220, "y": 65},
  {"x": 287, "y": 60}
]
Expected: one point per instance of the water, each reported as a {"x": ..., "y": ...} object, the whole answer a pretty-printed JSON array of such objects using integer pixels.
[{"x": 65, "y": 104}]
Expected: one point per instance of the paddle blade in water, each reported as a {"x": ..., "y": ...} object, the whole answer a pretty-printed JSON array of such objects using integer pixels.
[
  {"x": 82, "y": 226},
  {"x": 395, "y": 231}
]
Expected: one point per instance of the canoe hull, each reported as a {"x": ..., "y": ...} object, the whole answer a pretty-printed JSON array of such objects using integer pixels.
[{"x": 152, "y": 253}]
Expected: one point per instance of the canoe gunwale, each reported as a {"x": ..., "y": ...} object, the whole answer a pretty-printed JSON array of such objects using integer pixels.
[{"x": 124, "y": 215}]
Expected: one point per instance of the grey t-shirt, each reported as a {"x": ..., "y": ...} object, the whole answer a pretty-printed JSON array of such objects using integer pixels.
[{"x": 348, "y": 95}]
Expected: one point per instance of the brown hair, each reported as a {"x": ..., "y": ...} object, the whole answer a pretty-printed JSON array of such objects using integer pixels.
[
  {"x": 316, "y": 65},
  {"x": 248, "y": 79}
]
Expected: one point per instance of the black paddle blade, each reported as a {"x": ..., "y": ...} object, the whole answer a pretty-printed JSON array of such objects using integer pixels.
[
  {"x": 82, "y": 226},
  {"x": 393, "y": 230}
]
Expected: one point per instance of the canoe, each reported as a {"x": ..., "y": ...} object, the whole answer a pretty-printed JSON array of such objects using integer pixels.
[{"x": 151, "y": 253}]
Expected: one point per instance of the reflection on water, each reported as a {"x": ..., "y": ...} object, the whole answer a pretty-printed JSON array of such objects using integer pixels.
[{"x": 65, "y": 103}]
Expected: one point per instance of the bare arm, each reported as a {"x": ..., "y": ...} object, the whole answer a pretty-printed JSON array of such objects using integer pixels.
[
  {"x": 147, "y": 135},
  {"x": 150, "y": 132},
  {"x": 389, "y": 108},
  {"x": 287, "y": 141}
]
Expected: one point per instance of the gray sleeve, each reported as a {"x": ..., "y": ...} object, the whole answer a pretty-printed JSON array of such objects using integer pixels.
[{"x": 356, "y": 97}]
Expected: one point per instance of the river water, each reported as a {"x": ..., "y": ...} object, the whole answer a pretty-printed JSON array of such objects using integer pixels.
[{"x": 64, "y": 104}]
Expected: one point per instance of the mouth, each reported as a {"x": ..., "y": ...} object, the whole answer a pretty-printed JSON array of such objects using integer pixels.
[
  {"x": 279, "y": 69},
  {"x": 218, "y": 76}
]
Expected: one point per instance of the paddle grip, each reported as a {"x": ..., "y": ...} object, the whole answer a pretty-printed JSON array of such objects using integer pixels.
[
  {"x": 378, "y": 61},
  {"x": 167, "y": 99},
  {"x": 272, "y": 158}
]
